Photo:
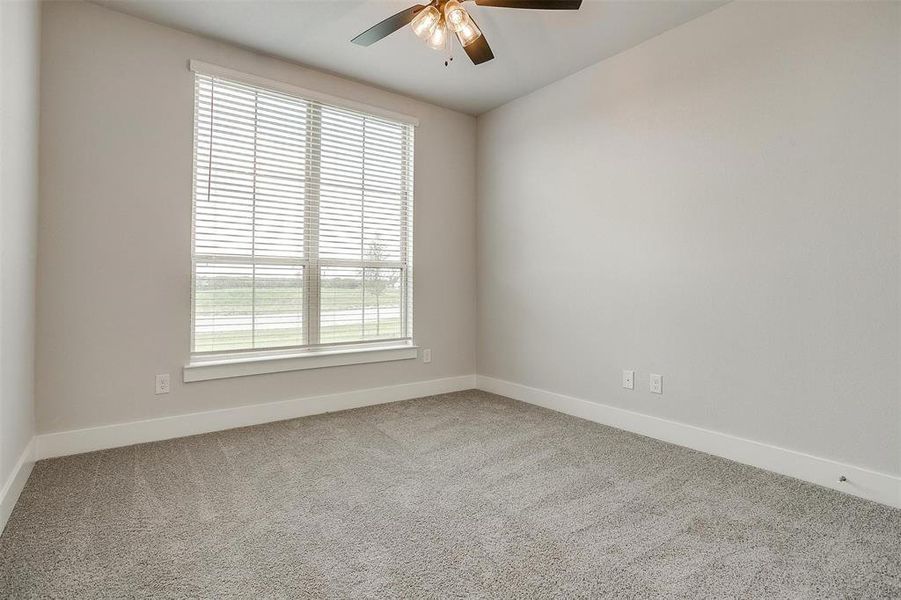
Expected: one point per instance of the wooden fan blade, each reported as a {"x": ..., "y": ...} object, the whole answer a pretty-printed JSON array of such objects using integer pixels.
[
  {"x": 479, "y": 51},
  {"x": 533, "y": 4},
  {"x": 388, "y": 26}
]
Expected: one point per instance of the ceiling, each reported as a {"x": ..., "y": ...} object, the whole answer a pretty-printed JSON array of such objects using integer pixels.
[{"x": 532, "y": 47}]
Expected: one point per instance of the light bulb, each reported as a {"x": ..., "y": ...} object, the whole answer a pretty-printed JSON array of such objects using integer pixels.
[
  {"x": 438, "y": 40},
  {"x": 455, "y": 15},
  {"x": 468, "y": 32},
  {"x": 425, "y": 22}
]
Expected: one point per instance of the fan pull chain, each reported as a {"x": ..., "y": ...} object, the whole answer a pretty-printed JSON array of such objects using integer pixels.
[{"x": 450, "y": 51}]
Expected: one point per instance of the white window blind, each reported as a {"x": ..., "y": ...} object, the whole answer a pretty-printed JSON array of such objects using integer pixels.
[{"x": 303, "y": 218}]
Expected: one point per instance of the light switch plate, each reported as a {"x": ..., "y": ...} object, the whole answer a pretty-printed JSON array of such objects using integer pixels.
[
  {"x": 427, "y": 355},
  {"x": 656, "y": 384},
  {"x": 629, "y": 380}
]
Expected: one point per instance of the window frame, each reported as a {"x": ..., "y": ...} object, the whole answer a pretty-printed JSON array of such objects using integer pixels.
[{"x": 313, "y": 353}]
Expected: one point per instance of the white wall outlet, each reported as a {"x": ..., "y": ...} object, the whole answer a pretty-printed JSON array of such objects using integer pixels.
[
  {"x": 162, "y": 383},
  {"x": 629, "y": 380},
  {"x": 656, "y": 384},
  {"x": 427, "y": 355}
]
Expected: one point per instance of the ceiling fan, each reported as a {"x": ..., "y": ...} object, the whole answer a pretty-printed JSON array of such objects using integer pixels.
[{"x": 432, "y": 22}]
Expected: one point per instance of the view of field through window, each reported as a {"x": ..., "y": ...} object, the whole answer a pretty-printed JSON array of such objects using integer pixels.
[{"x": 302, "y": 216}]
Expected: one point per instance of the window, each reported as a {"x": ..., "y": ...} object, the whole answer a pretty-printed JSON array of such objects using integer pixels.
[{"x": 302, "y": 237}]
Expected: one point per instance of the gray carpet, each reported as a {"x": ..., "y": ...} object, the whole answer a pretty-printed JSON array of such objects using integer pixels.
[{"x": 459, "y": 495}]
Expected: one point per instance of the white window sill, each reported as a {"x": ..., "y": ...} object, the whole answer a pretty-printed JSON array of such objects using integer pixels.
[{"x": 221, "y": 368}]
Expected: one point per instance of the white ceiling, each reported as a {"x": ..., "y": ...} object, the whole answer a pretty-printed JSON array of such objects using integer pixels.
[{"x": 532, "y": 48}]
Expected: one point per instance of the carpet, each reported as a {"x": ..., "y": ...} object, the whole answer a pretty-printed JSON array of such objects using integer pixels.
[{"x": 459, "y": 495}]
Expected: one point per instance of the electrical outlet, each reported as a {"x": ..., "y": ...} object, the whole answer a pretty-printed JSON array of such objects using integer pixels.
[
  {"x": 427, "y": 355},
  {"x": 162, "y": 384},
  {"x": 656, "y": 384},
  {"x": 629, "y": 380}
]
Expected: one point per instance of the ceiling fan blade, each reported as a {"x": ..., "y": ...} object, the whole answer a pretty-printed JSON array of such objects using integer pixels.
[
  {"x": 479, "y": 51},
  {"x": 533, "y": 4},
  {"x": 388, "y": 26}
]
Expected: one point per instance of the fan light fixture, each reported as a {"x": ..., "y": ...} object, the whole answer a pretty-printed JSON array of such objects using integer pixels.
[
  {"x": 455, "y": 14},
  {"x": 468, "y": 32},
  {"x": 438, "y": 39},
  {"x": 431, "y": 23},
  {"x": 425, "y": 23}
]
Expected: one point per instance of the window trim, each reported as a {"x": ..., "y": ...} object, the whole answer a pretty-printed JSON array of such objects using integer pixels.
[
  {"x": 257, "y": 362},
  {"x": 203, "y": 366}
]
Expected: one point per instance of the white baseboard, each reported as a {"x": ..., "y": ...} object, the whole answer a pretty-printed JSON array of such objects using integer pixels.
[
  {"x": 14, "y": 484},
  {"x": 879, "y": 487},
  {"x": 871, "y": 485},
  {"x": 64, "y": 443}
]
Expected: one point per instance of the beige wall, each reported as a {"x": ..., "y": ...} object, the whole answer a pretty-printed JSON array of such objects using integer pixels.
[
  {"x": 114, "y": 245},
  {"x": 19, "y": 59},
  {"x": 719, "y": 205}
]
